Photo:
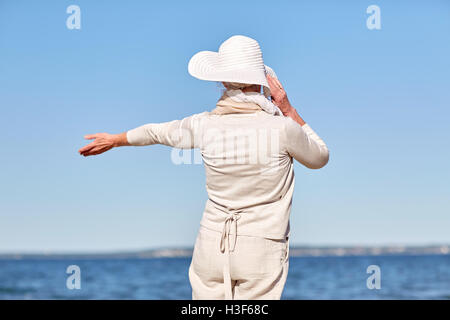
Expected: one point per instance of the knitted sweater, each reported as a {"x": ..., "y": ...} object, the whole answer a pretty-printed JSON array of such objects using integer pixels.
[{"x": 248, "y": 159}]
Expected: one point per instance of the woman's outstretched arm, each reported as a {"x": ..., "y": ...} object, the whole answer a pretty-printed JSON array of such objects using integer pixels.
[{"x": 181, "y": 134}]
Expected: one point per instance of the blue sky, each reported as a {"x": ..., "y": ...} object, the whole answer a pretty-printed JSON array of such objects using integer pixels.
[{"x": 379, "y": 98}]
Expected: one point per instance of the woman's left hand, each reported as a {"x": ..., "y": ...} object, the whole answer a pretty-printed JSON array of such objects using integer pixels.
[{"x": 279, "y": 96}]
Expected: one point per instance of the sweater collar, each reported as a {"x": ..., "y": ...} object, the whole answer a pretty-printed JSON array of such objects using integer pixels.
[{"x": 226, "y": 105}]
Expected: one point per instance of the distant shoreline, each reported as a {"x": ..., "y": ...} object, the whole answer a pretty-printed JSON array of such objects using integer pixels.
[{"x": 295, "y": 251}]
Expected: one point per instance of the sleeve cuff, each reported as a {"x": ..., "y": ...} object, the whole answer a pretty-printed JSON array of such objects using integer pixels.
[
  {"x": 307, "y": 129},
  {"x": 132, "y": 137}
]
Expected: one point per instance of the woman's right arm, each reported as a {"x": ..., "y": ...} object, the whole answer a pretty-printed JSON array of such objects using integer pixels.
[
  {"x": 181, "y": 134},
  {"x": 177, "y": 133}
]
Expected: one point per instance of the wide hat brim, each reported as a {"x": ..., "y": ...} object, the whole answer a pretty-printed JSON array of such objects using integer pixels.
[{"x": 205, "y": 65}]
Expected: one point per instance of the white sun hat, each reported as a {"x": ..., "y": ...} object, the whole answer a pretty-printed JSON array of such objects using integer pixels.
[{"x": 239, "y": 59}]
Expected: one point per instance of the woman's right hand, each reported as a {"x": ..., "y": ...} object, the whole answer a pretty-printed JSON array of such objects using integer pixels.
[{"x": 102, "y": 143}]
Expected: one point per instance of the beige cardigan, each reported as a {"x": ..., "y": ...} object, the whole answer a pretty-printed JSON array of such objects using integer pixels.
[{"x": 248, "y": 163}]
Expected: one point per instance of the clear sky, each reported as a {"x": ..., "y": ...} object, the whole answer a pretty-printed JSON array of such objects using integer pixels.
[{"x": 380, "y": 99}]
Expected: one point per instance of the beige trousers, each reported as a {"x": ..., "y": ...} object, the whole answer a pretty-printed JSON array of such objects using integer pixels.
[{"x": 254, "y": 268}]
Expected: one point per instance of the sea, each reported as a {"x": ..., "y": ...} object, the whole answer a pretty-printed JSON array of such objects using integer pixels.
[{"x": 344, "y": 277}]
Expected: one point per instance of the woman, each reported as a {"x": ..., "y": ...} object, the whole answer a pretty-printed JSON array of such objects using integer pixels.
[{"x": 247, "y": 144}]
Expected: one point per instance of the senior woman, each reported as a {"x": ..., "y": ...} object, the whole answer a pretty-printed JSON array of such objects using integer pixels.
[{"x": 248, "y": 143}]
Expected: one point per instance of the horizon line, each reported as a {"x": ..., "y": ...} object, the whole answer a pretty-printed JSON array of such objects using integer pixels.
[{"x": 445, "y": 247}]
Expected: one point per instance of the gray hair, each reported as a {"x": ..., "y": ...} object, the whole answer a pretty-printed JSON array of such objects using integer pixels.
[{"x": 237, "y": 85}]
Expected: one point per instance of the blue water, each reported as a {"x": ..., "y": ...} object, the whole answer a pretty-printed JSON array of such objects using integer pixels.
[{"x": 402, "y": 277}]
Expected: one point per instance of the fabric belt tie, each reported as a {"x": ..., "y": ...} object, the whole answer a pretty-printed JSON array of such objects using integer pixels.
[
  {"x": 230, "y": 222},
  {"x": 229, "y": 228}
]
